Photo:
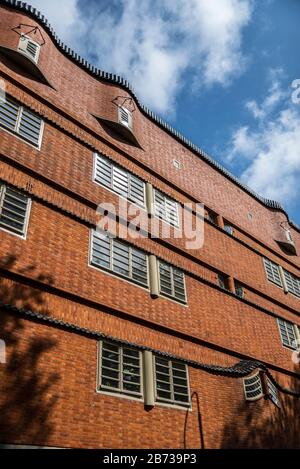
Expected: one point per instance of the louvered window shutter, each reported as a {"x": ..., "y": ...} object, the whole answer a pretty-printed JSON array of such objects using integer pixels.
[
  {"x": 29, "y": 48},
  {"x": 21, "y": 121},
  {"x": 166, "y": 208},
  {"x": 14, "y": 210},
  {"x": 272, "y": 271}
]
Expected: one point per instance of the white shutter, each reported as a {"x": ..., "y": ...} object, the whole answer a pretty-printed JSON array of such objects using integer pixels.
[
  {"x": 179, "y": 286},
  {"x": 119, "y": 257},
  {"x": 166, "y": 208},
  {"x": 29, "y": 48},
  {"x": 101, "y": 251},
  {"x": 171, "y": 282},
  {"x": 287, "y": 333},
  {"x": 273, "y": 392},
  {"x": 125, "y": 117},
  {"x": 30, "y": 126},
  {"x": 120, "y": 369},
  {"x": 21, "y": 121},
  {"x": 253, "y": 387},
  {"x": 139, "y": 266},
  {"x": 9, "y": 113},
  {"x": 171, "y": 382},
  {"x": 14, "y": 210},
  {"x": 103, "y": 171},
  {"x": 272, "y": 271},
  {"x": 119, "y": 180},
  {"x": 136, "y": 190},
  {"x": 293, "y": 283}
]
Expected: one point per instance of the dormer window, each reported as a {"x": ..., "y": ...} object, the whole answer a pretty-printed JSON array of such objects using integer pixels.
[
  {"x": 29, "y": 47},
  {"x": 289, "y": 236},
  {"x": 125, "y": 117}
]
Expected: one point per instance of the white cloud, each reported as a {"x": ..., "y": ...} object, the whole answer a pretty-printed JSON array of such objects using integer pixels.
[
  {"x": 153, "y": 43},
  {"x": 274, "y": 96},
  {"x": 271, "y": 148},
  {"x": 242, "y": 142}
]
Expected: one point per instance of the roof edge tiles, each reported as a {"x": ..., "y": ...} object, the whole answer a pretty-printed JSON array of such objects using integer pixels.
[{"x": 238, "y": 370}]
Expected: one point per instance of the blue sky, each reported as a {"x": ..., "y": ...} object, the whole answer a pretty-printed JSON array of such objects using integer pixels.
[{"x": 219, "y": 71}]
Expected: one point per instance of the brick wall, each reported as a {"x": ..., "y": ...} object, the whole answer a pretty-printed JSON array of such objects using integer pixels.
[{"x": 48, "y": 272}]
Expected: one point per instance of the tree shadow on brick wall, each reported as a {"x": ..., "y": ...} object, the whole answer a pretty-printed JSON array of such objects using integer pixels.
[
  {"x": 261, "y": 424},
  {"x": 27, "y": 401}
]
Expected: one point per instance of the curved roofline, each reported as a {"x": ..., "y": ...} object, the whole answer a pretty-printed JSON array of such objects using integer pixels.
[{"x": 118, "y": 80}]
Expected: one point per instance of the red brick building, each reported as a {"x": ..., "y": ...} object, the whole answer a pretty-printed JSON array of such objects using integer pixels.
[{"x": 141, "y": 343}]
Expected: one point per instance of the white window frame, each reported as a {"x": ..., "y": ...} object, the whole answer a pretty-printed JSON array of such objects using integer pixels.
[
  {"x": 260, "y": 387},
  {"x": 129, "y": 125},
  {"x": 25, "y": 52},
  {"x": 166, "y": 198},
  {"x": 272, "y": 392},
  {"x": 171, "y": 402},
  {"x": 265, "y": 259},
  {"x": 165, "y": 295},
  {"x": 17, "y": 125},
  {"x": 27, "y": 216},
  {"x": 111, "y": 272},
  {"x": 111, "y": 189},
  {"x": 296, "y": 330},
  {"x": 291, "y": 279},
  {"x": 119, "y": 392},
  {"x": 289, "y": 236}
]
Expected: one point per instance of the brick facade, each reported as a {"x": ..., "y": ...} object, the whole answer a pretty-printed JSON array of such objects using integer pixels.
[{"x": 48, "y": 386}]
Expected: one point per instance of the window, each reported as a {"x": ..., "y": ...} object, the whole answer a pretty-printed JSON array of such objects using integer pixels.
[
  {"x": 171, "y": 282},
  {"x": 120, "y": 369},
  {"x": 21, "y": 121},
  {"x": 228, "y": 228},
  {"x": 14, "y": 210},
  {"x": 288, "y": 333},
  {"x": 289, "y": 236},
  {"x": 171, "y": 382},
  {"x": 293, "y": 283},
  {"x": 212, "y": 217},
  {"x": 272, "y": 392},
  {"x": 29, "y": 48},
  {"x": 120, "y": 181},
  {"x": 166, "y": 208},
  {"x": 253, "y": 387},
  {"x": 272, "y": 271},
  {"x": 223, "y": 281},
  {"x": 239, "y": 289},
  {"x": 119, "y": 257},
  {"x": 125, "y": 117}
]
